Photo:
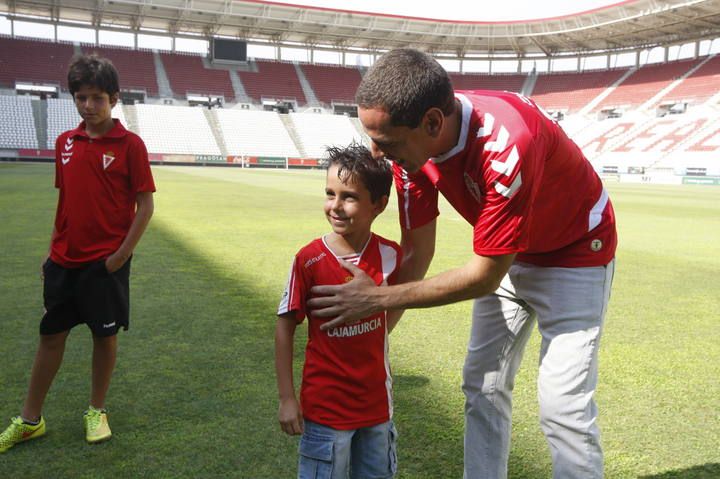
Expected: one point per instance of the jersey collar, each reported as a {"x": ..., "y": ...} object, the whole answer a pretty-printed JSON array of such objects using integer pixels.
[
  {"x": 465, "y": 125},
  {"x": 360, "y": 254},
  {"x": 117, "y": 131}
]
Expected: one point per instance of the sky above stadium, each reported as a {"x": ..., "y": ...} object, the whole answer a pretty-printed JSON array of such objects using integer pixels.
[{"x": 481, "y": 11}]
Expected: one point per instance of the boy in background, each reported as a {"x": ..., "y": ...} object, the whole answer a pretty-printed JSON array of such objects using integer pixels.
[
  {"x": 345, "y": 409},
  {"x": 105, "y": 203}
]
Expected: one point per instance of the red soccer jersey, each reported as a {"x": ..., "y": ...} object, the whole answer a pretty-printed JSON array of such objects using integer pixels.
[
  {"x": 346, "y": 380},
  {"x": 98, "y": 179},
  {"x": 520, "y": 181}
]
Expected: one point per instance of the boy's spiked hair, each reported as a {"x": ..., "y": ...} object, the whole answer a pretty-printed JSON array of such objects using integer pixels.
[
  {"x": 94, "y": 71},
  {"x": 356, "y": 163}
]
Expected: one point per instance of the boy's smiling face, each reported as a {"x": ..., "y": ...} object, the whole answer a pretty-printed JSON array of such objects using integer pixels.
[
  {"x": 349, "y": 208},
  {"x": 94, "y": 105}
]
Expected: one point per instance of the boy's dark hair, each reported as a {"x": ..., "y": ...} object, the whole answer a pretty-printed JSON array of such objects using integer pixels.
[
  {"x": 355, "y": 162},
  {"x": 406, "y": 83},
  {"x": 94, "y": 71}
]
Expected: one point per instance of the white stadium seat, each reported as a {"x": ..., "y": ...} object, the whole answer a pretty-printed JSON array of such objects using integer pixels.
[
  {"x": 316, "y": 132},
  {"x": 17, "y": 125},
  {"x": 180, "y": 130},
  {"x": 255, "y": 133}
]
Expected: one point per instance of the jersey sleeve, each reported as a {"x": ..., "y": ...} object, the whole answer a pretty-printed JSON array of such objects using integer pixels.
[
  {"x": 393, "y": 277},
  {"x": 417, "y": 198},
  {"x": 141, "y": 179},
  {"x": 511, "y": 165},
  {"x": 296, "y": 289}
]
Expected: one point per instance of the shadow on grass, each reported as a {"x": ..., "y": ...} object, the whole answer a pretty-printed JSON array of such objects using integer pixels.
[
  {"x": 194, "y": 391},
  {"x": 705, "y": 471}
]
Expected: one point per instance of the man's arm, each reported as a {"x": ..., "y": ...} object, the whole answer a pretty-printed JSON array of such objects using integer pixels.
[
  {"x": 145, "y": 208},
  {"x": 289, "y": 412},
  {"x": 418, "y": 247},
  {"x": 360, "y": 297}
]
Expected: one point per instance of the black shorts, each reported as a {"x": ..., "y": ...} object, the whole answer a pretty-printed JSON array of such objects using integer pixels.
[{"x": 87, "y": 295}]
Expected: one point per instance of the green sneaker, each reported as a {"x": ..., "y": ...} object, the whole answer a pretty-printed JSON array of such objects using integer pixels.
[
  {"x": 96, "y": 425},
  {"x": 19, "y": 431}
]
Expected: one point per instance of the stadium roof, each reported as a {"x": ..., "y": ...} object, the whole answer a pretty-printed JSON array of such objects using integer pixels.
[{"x": 622, "y": 25}]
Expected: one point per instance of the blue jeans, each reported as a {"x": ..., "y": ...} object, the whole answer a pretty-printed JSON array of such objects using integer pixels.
[{"x": 365, "y": 453}]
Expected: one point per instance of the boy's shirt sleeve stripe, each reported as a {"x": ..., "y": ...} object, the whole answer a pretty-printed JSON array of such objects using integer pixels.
[{"x": 389, "y": 259}]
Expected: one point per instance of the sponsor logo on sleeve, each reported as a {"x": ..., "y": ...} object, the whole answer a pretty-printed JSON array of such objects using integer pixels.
[{"x": 314, "y": 260}]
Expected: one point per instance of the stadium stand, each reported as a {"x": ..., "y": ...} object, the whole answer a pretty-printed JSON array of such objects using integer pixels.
[
  {"x": 574, "y": 124},
  {"x": 643, "y": 84},
  {"x": 317, "y": 132},
  {"x": 572, "y": 91},
  {"x": 17, "y": 125},
  {"x": 135, "y": 67},
  {"x": 175, "y": 130},
  {"x": 34, "y": 61},
  {"x": 62, "y": 116},
  {"x": 473, "y": 81},
  {"x": 257, "y": 133},
  {"x": 638, "y": 142},
  {"x": 700, "y": 86},
  {"x": 188, "y": 74},
  {"x": 635, "y": 142},
  {"x": 701, "y": 151},
  {"x": 276, "y": 80},
  {"x": 333, "y": 83}
]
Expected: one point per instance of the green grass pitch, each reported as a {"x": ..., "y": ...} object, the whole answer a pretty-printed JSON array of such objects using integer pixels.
[{"x": 194, "y": 391}]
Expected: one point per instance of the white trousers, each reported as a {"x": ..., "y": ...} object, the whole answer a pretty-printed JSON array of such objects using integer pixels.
[{"x": 569, "y": 305}]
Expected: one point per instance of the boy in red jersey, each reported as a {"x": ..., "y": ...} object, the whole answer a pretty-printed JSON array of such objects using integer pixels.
[
  {"x": 105, "y": 203},
  {"x": 345, "y": 412},
  {"x": 543, "y": 251}
]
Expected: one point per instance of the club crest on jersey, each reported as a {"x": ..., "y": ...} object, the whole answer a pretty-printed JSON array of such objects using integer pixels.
[
  {"x": 108, "y": 158},
  {"x": 67, "y": 154}
]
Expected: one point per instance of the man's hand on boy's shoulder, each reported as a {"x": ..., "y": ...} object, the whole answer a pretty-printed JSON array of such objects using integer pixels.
[{"x": 115, "y": 261}]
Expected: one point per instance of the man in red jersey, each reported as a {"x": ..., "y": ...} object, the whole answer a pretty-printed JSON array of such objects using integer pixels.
[
  {"x": 103, "y": 175},
  {"x": 544, "y": 242}
]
